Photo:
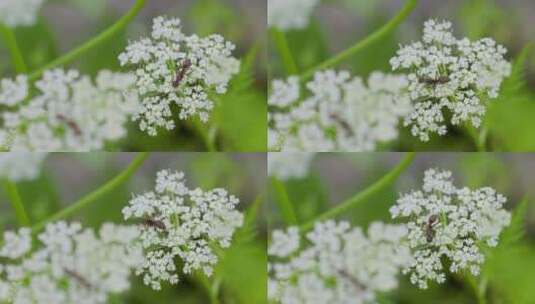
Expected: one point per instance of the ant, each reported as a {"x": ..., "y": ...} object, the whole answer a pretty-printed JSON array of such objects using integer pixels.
[
  {"x": 434, "y": 81},
  {"x": 70, "y": 123},
  {"x": 81, "y": 280},
  {"x": 428, "y": 228},
  {"x": 155, "y": 224},
  {"x": 347, "y": 128},
  {"x": 186, "y": 65}
]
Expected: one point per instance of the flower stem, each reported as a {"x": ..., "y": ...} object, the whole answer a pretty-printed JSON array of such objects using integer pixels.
[
  {"x": 366, "y": 42},
  {"x": 87, "y": 46},
  {"x": 283, "y": 202},
  {"x": 362, "y": 196},
  {"x": 14, "y": 49},
  {"x": 16, "y": 202},
  {"x": 96, "y": 194},
  {"x": 284, "y": 51},
  {"x": 479, "y": 288}
]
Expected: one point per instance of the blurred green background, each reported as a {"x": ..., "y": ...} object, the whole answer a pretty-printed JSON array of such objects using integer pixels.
[
  {"x": 338, "y": 24},
  {"x": 335, "y": 177},
  {"x": 65, "y": 177},
  {"x": 240, "y": 115}
]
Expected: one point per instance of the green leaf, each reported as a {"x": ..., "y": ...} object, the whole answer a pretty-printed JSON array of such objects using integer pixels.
[
  {"x": 516, "y": 230},
  {"x": 513, "y": 111},
  {"x": 285, "y": 206},
  {"x": 241, "y": 113}
]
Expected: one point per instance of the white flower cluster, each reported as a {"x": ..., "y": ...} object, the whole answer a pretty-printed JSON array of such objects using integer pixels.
[
  {"x": 341, "y": 113},
  {"x": 72, "y": 265},
  {"x": 68, "y": 111},
  {"x": 20, "y": 166},
  {"x": 449, "y": 222},
  {"x": 19, "y": 12},
  {"x": 172, "y": 68},
  {"x": 289, "y": 165},
  {"x": 290, "y": 14},
  {"x": 184, "y": 223},
  {"x": 452, "y": 74},
  {"x": 340, "y": 264}
]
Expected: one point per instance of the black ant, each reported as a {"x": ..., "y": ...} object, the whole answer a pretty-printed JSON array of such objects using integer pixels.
[
  {"x": 186, "y": 65},
  {"x": 155, "y": 224},
  {"x": 429, "y": 228},
  {"x": 434, "y": 81}
]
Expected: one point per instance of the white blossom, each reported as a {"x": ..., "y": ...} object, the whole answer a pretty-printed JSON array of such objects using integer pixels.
[
  {"x": 21, "y": 166},
  {"x": 70, "y": 264},
  {"x": 175, "y": 69},
  {"x": 68, "y": 112},
  {"x": 19, "y": 12},
  {"x": 449, "y": 222},
  {"x": 449, "y": 74},
  {"x": 340, "y": 114},
  {"x": 336, "y": 264},
  {"x": 289, "y": 165},
  {"x": 290, "y": 14},
  {"x": 184, "y": 223}
]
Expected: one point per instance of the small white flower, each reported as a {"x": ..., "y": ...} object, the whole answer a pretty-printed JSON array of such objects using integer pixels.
[
  {"x": 20, "y": 166},
  {"x": 175, "y": 69},
  {"x": 13, "y": 92},
  {"x": 445, "y": 221},
  {"x": 68, "y": 113},
  {"x": 289, "y": 165},
  {"x": 19, "y": 12},
  {"x": 341, "y": 113},
  {"x": 71, "y": 264},
  {"x": 184, "y": 223},
  {"x": 290, "y": 14},
  {"x": 336, "y": 264},
  {"x": 452, "y": 74}
]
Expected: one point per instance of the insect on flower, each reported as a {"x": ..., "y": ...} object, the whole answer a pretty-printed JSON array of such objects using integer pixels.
[
  {"x": 148, "y": 222},
  {"x": 73, "y": 125},
  {"x": 429, "y": 228},
  {"x": 81, "y": 280},
  {"x": 434, "y": 81},
  {"x": 186, "y": 65}
]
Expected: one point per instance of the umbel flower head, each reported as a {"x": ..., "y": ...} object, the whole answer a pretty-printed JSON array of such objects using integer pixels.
[
  {"x": 340, "y": 113},
  {"x": 20, "y": 166},
  {"x": 450, "y": 75},
  {"x": 290, "y": 14},
  {"x": 182, "y": 223},
  {"x": 336, "y": 264},
  {"x": 449, "y": 222},
  {"x": 176, "y": 70},
  {"x": 68, "y": 111},
  {"x": 70, "y": 265},
  {"x": 19, "y": 12},
  {"x": 289, "y": 165}
]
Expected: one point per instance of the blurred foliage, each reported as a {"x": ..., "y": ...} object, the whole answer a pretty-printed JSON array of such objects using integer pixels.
[
  {"x": 239, "y": 116},
  {"x": 65, "y": 177},
  {"x": 506, "y": 266}
]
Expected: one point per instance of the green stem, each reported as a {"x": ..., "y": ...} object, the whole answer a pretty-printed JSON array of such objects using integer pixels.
[
  {"x": 283, "y": 202},
  {"x": 479, "y": 138},
  {"x": 16, "y": 202},
  {"x": 14, "y": 49},
  {"x": 479, "y": 288},
  {"x": 362, "y": 196},
  {"x": 284, "y": 51},
  {"x": 96, "y": 194},
  {"x": 102, "y": 37},
  {"x": 214, "y": 291},
  {"x": 366, "y": 42}
]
